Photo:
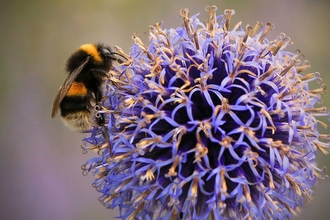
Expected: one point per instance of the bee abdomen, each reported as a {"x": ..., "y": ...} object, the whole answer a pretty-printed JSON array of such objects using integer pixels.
[
  {"x": 79, "y": 121},
  {"x": 77, "y": 89},
  {"x": 74, "y": 104},
  {"x": 75, "y": 108}
]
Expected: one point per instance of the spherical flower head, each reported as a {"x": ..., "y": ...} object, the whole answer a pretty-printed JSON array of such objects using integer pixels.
[{"x": 209, "y": 122}]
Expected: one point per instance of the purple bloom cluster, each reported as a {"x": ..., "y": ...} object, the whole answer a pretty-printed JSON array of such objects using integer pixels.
[{"x": 209, "y": 122}]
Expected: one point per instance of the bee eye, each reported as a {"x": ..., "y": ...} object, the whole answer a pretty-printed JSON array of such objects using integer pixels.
[{"x": 106, "y": 52}]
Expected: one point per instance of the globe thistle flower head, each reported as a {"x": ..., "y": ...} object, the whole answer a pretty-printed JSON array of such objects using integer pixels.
[{"x": 209, "y": 121}]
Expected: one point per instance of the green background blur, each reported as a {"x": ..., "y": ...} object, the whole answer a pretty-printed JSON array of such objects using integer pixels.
[{"x": 39, "y": 159}]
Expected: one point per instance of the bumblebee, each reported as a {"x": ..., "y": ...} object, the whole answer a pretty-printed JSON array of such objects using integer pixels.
[{"x": 82, "y": 90}]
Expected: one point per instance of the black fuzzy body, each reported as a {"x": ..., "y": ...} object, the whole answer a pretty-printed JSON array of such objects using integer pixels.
[{"x": 77, "y": 106}]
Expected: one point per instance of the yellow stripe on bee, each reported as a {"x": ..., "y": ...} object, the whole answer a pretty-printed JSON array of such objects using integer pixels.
[
  {"x": 77, "y": 89},
  {"x": 91, "y": 50}
]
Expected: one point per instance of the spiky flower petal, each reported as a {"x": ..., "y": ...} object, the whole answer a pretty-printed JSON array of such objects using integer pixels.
[{"x": 209, "y": 122}]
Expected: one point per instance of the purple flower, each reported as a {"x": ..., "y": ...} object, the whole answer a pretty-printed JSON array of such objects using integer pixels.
[{"x": 209, "y": 121}]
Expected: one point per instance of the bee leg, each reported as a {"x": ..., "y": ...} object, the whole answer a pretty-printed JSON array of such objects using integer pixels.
[
  {"x": 104, "y": 129},
  {"x": 106, "y": 136}
]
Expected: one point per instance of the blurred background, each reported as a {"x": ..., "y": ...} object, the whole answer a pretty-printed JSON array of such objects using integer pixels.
[{"x": 40, "y": 159}]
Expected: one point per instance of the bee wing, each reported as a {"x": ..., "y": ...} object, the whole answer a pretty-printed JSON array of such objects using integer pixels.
[{"x": 65, "y": 87}]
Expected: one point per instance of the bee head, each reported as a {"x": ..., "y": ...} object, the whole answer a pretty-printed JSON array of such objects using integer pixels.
[
  {"x": 100, "y": 57},
  {"x": 106, "y": 55}
]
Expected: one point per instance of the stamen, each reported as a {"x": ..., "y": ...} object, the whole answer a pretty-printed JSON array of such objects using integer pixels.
[
  {"x": 256, "y": 28},
  {"x": 124, "y": 183},
  {"x": 267, "y": 73},
  {"x": 132, "y": 216},
  {"x": 271, "y": 181},
  {"x": 143, "y": 195},
  {"x": 186, "y": 19},
  {"x": 200, "y": 152},
  {"x": 286, "y": 70},
  {"x": 226, "y": 142},
  {"x": 305, "y": 66},
  {"x": 122, "y": 53},
  {"x": 156, "y": 29},
  {"x": 149, "y": 174},
  {"x": 294, "y": 185},
  {"x": 247, "y": 193},
  {"x": 228, "y": 13},
  {"x": 223, "y": 181},
  {"x": 247, "y": 33},
  {"x": 137, "y": 41},
  {"x": 323, "y": 147},
  {"x": 269, "y": 27},
  {"x": 287, "y": 206},
  {"x": 279, "y": 44},
  {"x": 193, "y": 190},
  {"x": 211, "y": 20},
  {"x": 171, "y": 171},
  {"x": 189, "y": 26}
]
